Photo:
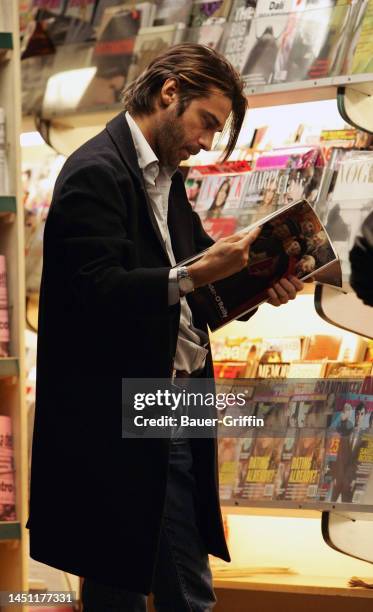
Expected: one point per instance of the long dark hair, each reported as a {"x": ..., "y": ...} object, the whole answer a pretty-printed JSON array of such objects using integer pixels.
[
  {"x": 197, "y": 69},
  {"x": 226, "y": 181}
]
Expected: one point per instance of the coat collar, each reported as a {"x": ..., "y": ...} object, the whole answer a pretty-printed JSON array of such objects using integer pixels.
[
  {"x": 179, "y": 208},
  {"x": 121, "y": 136}
]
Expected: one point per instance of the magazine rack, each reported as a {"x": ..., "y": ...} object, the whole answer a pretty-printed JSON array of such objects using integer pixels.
[
  {"x": 349, "y": 533},
  {"x": 344, "y": 310},
  {"x": 355, "y": 105},
  {"x": 13, "y": 535}
]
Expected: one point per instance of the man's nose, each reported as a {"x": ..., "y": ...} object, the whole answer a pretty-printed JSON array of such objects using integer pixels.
[{"x": 205, "y": 141}]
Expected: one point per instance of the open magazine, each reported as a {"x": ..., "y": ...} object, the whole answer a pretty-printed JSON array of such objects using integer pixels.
[{"x": 293, "y": 241}]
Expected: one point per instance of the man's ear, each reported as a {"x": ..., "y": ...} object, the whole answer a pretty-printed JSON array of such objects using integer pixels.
[{"x": 168, "y": 93}]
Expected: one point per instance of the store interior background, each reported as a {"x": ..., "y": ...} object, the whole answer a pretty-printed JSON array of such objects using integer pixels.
[{"x": 264, "y": 537}]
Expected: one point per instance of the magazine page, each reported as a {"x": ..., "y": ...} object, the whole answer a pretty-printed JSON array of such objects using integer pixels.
[
  {"x": 350, "y": 203},
  {"x": 236, "y": 34},
  {"x": 314, "y": 41},
  {"x": 358, "y": 59},
  {"x": 151, "y": 42},
  {"x": 349, "y": 450},
  {"x": 262, "y": 48},
  {"x": 292, "y": 241},
  {"x": 305, "y": 466}
]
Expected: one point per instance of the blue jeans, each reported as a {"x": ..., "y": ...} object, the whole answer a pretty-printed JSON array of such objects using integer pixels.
[{"x": 182, "y": 578}]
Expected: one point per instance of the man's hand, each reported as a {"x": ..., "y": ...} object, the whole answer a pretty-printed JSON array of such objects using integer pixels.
[
  {"x": 286, "y": 289},
  {"x": 226, "y": 257}
]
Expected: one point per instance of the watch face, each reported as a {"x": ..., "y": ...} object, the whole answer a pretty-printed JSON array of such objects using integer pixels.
[{"x": 186, "y": 284}]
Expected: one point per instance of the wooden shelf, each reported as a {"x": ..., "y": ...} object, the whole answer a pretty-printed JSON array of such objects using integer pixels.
[
  {"x": 10, "y": 530},
  {"x": 294, "y": 583},
  {"x": 302, "y": 91},
  {"x": 258, "y": 97},
  {"x": 275, "y": 512}
]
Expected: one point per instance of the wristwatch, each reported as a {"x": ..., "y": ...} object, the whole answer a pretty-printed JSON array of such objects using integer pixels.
[{"x": 185, "y": 281}]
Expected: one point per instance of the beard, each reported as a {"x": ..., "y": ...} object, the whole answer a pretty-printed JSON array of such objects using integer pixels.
[{"x": 169, "y": 138}]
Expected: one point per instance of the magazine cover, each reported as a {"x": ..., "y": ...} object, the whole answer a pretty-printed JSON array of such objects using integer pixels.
[
  {"x": 169, "y": 12},
  {"x": 80, "y": 10},
  {"x": 341, "y": 369},
  {"x": 273, "y": 370},
  {"x": 205, "y": 10},
  {"x": 305, "y": 466},
  {"x": 219, "y": 194},
  {"x": 210, "y": 33},
  {"x": 113, "y": 51},
  {"x": 358, "y": 58},
  {"x": 284, "y": 466},
  {"x": 259, "y": 484},
  {"x": 274, "y": 410},
  {"x": 265, "y": 192},
  {"x": 275, "y": 350},
  {"x": 228, "y": 461},
  {"x": 351, "y": 420},
  {"x": 235, "y": 38},
  {"x": 351, "y": 202},
  {"x": 217, "y": 203},
  {"x": 314, "y": 41},
  {"x": 245, "y": 450},
  {"x": 321, "y": 346},
  {"x": 263, "y": 43},
  {"x": 292, "y": 241},
  {"x": 276, "y": 355},
  {"x": 235, "y": 348},
  {"x": 310, "y": 410},
  {"x": 151, "y": 42},
  {"x": 306, "y": 369}
]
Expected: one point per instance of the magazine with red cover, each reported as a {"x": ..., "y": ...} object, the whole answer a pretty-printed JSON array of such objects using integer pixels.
[{"x": 292, "y": 241}]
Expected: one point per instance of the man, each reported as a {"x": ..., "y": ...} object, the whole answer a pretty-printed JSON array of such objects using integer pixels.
[
  {"x": 132, "y": 515},
  {"x": 344, "y": 468}
]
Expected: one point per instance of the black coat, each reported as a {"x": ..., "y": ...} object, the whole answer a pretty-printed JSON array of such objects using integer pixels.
[{"x": 97, "y": 499}]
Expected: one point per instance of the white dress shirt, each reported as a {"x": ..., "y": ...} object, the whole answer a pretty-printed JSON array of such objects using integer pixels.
[{"x": 190, "y": 354}]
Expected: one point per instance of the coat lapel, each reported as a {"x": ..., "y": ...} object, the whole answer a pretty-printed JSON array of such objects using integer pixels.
[
  {"x": 180, "y": 220},
  {"x": 120, "y": 134}
]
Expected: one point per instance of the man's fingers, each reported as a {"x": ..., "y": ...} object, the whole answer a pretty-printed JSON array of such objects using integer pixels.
[
  {"x": 250, "y": 237},
  {"x": 233, "y": 237},
  {"x": 282, "y": 294},
  {"x": 273, "y": 299},
  {"x": 289, "y": 288},
  {"x": 298, "y": 284},
  {"x": 286, "y": 289},
  {"x": 247, "y": 237}
]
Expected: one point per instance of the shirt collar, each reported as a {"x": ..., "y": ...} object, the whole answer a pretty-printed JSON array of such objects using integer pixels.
[{"x": 146, "y": 157}]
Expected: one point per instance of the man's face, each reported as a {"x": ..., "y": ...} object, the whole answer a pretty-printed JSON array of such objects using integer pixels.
[{"x": 176, "y": 137}]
